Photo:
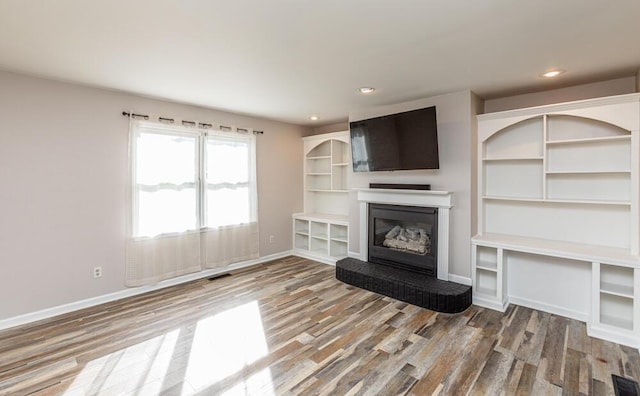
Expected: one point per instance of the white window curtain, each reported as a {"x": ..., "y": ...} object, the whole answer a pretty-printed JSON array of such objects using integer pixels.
[
  {"x": 193, "y": 201},
  {"x": 231, "y": 204}
]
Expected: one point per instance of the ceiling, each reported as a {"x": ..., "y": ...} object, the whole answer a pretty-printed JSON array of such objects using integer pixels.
[{"x": 289, "y": 59}]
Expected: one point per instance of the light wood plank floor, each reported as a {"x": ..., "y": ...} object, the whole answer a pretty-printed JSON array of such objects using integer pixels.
[{"x": 290, "y": 327}]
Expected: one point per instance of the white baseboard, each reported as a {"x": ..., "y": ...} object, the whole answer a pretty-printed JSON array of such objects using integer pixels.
[
  {"x": 490, "y": 303},
  {"x": 613, "y": 334},
  {"x": 546, "y": 307},
  {"x": 460, "y": 279},
  {"x": 93, "y": 301},
  {"x": 314, "y": 257},
  {"x": 355, "y": 255}
]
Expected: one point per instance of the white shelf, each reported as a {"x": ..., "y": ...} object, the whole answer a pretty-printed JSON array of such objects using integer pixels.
[
  {"x": 487, "y": 279},
  {"x": 518, "y": 199},
  {"x": 323, "y": 218},
  {"x": 546, "y": 247},
  {"x": 304, "y": 233},
  {"x": 300, "y": 241},
  {"x": 338, "y": 249},
  {"x": 616, "y": 290},
  {"x": 338, "y": 235},
  {"x": 327, "y": 157},
  {"x": 483, "y": 291},
  {"x": 585, "y": 202},
  {"x": 326, "y": 198},
  {"x": 617, "y": 322},
  {"x": 558, "y": 201},
  {"x": 599, "y": 155},
  {"x": 589, "y": 140},
  {"x": 487, "y": 266},
  {"x": 616, "y": 281},
  {"x": 587, "y": 172},
  {"x": 517, "y": 179},
  {"x": 607, "y": 186},
  {"x": 536, "y": 158}
]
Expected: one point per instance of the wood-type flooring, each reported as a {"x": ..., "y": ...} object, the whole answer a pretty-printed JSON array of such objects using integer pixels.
[{"x": 289, "y": 327}]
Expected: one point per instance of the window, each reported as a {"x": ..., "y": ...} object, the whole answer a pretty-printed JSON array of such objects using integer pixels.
[
  {"x": 229, "y": 180},
  {"x": 188, "y": 180}
]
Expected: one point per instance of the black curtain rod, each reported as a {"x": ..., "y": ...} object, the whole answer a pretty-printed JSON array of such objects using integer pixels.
[
  {"x": 124, "y": 113},
  {"x": 202, "y": 125}
]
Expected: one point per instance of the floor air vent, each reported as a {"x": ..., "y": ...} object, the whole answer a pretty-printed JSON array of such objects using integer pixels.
[
  {"x": 215, "y": 277},
  {"x": 625, "y": 386}
]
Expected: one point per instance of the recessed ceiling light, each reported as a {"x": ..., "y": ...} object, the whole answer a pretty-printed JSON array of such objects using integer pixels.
[
  {"x": 314, "y": 118},
  {"x": 366, "y": 90},
  {"x": 552, "y": 73}
]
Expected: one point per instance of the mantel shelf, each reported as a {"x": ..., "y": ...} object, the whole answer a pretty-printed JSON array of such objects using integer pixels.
[
  {"x": 432, "y": 198},
  {"x": 327, "y": 190}
]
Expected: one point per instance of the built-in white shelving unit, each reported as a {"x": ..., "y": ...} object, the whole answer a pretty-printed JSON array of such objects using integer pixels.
[
  {"x": 321, "y": 232},
  {"x": 558, "y": 213}
]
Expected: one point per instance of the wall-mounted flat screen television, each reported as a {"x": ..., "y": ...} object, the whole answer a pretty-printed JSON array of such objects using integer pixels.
[{"x": 402, "y": 141}]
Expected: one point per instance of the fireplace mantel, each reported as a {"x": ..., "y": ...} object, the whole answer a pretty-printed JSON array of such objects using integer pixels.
[{"x": 425, "y": 198}]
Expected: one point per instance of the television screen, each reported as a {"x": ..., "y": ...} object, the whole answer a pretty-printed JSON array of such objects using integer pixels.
[{"x": 400, "y": 141}]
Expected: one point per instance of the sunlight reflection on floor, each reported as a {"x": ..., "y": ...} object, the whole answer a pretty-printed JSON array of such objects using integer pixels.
[
  {"x": 210, "y": 358},
  {"x": 258, "y": 384},
  {"x": 224, "y": 344},
  {"x": 126, "y": 369}
]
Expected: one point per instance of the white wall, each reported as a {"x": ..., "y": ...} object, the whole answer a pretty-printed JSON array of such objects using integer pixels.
[
  {"x": 455, "y": 120},
  {"x": 63, "y": 172},
  {"x": 618, "y": 86}
]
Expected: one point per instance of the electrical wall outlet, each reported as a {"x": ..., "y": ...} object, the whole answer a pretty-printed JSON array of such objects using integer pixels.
[
  {"x": 272, "y": 238},
  {"x": 97, "y": 272}
]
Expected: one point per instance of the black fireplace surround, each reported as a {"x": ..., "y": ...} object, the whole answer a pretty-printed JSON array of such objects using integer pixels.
[{"x": 404, "y": 237}]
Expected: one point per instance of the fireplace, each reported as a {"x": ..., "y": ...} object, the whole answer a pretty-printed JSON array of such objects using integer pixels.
[
  {"x": 441, "y": 201},
  {"x": 414, "y": 265},
  {"x": 404, "y": 236}
]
